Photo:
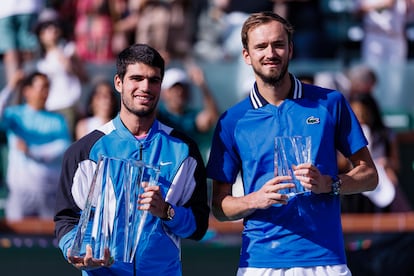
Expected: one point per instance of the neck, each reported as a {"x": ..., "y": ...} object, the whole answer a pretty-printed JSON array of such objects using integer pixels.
[
  {"x": 138, "y": 126},
  {"x": 36, "y": 107},
  {"x": 275, "y": 94}
]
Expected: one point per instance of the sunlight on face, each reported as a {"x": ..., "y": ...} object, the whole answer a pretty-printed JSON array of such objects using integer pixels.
[
  {"x": 269, "y": 52},
  {"x": 140, "y": 89}
]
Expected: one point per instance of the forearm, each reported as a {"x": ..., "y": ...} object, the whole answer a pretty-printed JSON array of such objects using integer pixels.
[
  {"x": 362, "y": 177},
  {"x": 227, "y": 207},
  {"x": 5, "y": 95},
  {"x": 206, "y": 119},
  {"x": 208, "y": 100},
  {"x": 50, "y": 152}
]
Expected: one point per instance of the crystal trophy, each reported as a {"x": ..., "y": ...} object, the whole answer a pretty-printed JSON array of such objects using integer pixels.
[
  {"x": 290, "y": 151},
  {"x": 111, "y": 218}
]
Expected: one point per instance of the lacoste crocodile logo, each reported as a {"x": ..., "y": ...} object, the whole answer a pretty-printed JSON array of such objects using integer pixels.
[{"x": 313, "y": 120}]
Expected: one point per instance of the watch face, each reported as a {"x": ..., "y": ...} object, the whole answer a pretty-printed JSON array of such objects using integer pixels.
[{"x": 171, "y": 212}]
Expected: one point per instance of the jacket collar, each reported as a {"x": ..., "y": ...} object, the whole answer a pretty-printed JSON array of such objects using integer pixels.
[{"x": 258, "y": 101}]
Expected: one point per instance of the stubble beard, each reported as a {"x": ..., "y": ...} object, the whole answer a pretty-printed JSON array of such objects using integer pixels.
[
  {"x": 271, "y": 79},
  {"x": 143, "y": 113}
]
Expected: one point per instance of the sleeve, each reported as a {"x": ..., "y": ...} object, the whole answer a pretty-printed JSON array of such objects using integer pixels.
[
  {"x": 67, "y": 211},
  {"x": 223, "y": 163},
  {"x": 50, "y": 152},
  {"x": 349, "y": 132},
  {"x": 5, "y": 94},
  {"x": 66, "y": 242},
  {"x": 188, "y": 194}
]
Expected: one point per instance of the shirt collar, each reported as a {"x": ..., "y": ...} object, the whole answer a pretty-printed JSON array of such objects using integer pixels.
[{"x": 258, "y": 101}]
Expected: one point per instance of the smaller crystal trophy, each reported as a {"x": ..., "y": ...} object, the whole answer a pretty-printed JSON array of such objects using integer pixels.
[{"x": 291, "y": 151}]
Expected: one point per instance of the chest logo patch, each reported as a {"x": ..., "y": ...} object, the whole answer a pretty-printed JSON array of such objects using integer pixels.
[{"x": 312, "y": 120}]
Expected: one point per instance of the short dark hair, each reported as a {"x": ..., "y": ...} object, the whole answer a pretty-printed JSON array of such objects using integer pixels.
[
  {"x": 28, "y": 80},
  {"x": 94, "y": 92},
  {"x": 139, "y": 53},
  {"x": 256, "y": 19}
]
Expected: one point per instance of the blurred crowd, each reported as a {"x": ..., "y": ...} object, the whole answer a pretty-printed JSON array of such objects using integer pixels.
[{"x": 60, "y": 39}]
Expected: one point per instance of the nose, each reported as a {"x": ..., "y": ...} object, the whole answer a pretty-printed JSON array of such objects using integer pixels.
[
  {"x": 144, "y": 84},
  {"x": 271, "y": 51}
]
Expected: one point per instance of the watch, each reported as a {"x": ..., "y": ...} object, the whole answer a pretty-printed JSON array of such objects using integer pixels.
[
  {"x": 336, "y": 185},
  {"x": 170, "y": 212}
]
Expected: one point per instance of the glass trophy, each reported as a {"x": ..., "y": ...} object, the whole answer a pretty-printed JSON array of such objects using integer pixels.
[
  {"x": 290, "y": 151},
  {"x": 111, "y": 218}
]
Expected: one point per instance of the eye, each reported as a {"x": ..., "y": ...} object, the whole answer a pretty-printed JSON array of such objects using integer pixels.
[
  {"x": 136, "y": 78},
  {"x": 261, "y": 46},
  {"x": 155, "y": 80}
]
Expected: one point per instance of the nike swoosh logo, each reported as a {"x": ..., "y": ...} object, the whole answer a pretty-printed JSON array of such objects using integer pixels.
[{"x": 165, "y": 163}]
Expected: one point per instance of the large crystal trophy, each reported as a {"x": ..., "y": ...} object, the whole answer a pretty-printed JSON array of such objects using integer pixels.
[
  {"x": 288, "y": 152},
  {"x": 111, "y": 218}
]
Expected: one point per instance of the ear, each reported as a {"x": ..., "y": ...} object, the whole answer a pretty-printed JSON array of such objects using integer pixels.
[
  {"x": 290, "y": 50},
  {"x": 246, "y": 56},
  {"x": 118, "y": 83}
]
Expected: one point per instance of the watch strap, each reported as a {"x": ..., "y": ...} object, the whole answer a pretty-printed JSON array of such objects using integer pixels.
[
  {"x": 336, "y": 185},
  {"x": 170, "y": 212}
]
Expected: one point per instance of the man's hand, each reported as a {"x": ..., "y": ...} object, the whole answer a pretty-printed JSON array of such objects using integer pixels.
[
  {"x": 312, "y": 179},
  {"x": 152, "y": 200},
  {"x": 87, "y": 262},
  {"x": 269, "y": 193}
]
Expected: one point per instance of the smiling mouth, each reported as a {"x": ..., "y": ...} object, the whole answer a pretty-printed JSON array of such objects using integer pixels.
[
  {"x": 142, "y": 97},
  {"x": 271, "y": 63}
]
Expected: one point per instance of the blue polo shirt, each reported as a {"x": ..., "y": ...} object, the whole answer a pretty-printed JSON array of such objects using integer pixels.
[{"x": 307, "y": 231}]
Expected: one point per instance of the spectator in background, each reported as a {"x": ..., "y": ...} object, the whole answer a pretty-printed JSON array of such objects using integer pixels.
[
  {"x": 384, "y": 24},
  {"x": 378, "y": 253},
  {"x": 218, "y": 33},
  {"x": 94, "y": 31},
  {"x": 175, "y": 107},
  {"x": 64, "y": 69},
  {"x": 37, "y": 140},
  {"x": 362, "y": 80},
  {"x": 382, "y": 145},
  {"x": 102, "y": 107},
  {"x": 67, "y": 15},
  {"x": 18, "y": 43},
  {"x": 213, "y": 29},
  {"x": 387, "y": 197},
  {"x": 310, "y": 41},
  {"x": 167, "y": 26},
  {"x": 359, "y": 78},
  {"x": 181, "y": 29},
  {"x": 248, "y": 6},
  {"x": 124, "y": 20},
  {"x": 142, "y": 21},
  {"x": 384, "y": 46}
]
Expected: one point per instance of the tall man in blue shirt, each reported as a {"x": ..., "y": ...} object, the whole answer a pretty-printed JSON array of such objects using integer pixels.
[{"x": 284, "y": 235}]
